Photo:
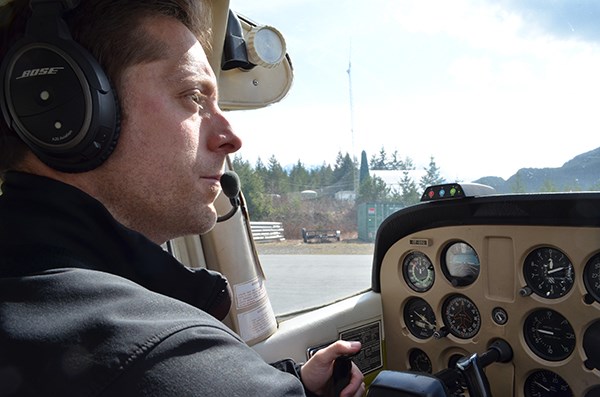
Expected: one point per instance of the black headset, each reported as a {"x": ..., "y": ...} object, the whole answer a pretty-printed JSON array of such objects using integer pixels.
[{"x": 56, "y": 96}]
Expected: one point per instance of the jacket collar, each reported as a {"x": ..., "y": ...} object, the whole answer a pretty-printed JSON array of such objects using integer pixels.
[{"x": 41, "y": 216}]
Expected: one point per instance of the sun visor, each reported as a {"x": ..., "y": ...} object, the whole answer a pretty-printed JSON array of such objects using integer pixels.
[{"x": 254, "y": 69}]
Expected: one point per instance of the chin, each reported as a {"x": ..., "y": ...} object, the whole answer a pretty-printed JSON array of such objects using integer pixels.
[{"x": 207, "y": 220}]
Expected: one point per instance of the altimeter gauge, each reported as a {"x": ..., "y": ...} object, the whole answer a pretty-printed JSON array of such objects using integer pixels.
[{"x": 548, "y": 272}]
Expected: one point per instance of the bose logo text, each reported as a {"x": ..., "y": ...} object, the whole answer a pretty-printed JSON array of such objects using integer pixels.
[{"x": 39, "y": 72}]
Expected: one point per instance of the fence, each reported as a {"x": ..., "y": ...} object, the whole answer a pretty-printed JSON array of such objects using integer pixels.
[{"x": 267, "y": 231}]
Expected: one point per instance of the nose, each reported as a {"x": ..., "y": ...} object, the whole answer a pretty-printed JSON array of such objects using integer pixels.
[{"x": 224, "y": 140}]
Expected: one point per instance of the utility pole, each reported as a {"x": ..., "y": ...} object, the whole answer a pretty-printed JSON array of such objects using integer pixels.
[{"x": 354, "y": 158}]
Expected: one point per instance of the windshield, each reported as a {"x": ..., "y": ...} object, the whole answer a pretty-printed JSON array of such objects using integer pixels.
[{"x": 410, "y": 93}]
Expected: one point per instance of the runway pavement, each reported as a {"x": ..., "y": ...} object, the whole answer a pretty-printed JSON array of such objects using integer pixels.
[{"x": 296, "y": 282}]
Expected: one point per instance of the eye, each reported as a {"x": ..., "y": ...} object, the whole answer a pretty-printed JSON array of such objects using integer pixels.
[{"x": 198, "y": 98}]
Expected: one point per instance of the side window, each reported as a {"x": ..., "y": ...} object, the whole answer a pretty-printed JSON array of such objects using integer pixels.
[{"x": 302, "y": 275}]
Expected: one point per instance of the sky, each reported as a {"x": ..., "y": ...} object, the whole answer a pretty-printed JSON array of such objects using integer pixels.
[{"x": 485, "y": 87}]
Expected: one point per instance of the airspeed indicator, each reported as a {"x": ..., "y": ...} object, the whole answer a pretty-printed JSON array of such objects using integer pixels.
[{"x": 418, "y": 271}]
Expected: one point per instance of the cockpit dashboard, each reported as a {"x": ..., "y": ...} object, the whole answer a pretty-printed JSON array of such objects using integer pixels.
[{"x": 458, "y": 274}]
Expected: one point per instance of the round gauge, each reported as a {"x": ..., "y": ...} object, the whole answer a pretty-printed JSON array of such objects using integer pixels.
[
  {"x": 544, "y": 383},
  {"x": 549, "y": 335},
  {"x": 266, "y": 46},
  {"x": 418, "y": 271},
  {"x": 419, "y": 361},
  {"x": 548, "y": 272},
  {"x": 591, "y": 347},
  {"x": 593, "y": 392},
  {"x": 461, "y": 317},
  {"x": 460, "y": 264},
  {"x": 419, "y": 318},
  {"x": 591, "y": 277}
]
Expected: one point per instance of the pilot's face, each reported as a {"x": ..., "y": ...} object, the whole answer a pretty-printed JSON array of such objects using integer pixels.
[{"x": 174, "y": 140}]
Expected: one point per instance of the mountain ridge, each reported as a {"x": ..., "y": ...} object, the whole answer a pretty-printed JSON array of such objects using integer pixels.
[{"x": 582, "y": 172}]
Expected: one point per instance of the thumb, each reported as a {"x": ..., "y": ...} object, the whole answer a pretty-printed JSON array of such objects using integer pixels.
[{"x": 339, "y": 348}]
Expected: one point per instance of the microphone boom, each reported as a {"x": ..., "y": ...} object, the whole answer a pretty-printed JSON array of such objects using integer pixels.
[{"x": 230, "y": 184}]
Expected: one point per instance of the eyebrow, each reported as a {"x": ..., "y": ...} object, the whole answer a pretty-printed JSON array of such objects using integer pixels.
[{"x": 187, "y": 71}]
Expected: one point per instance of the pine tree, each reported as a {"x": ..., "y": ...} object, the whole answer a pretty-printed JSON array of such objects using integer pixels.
[
  {"x": 409, "y": 192},
  {"x": 379, "y": 162},
  {"x": 299, "y": 178},
  {"x": 432, "y": 177},
  {"x": 372, "y": 189},
  {"x": 258, "y": 204},
  {"x": 343, "y": 172},
  {"x": 396, "y": 163},
  {"x": 277, "y": 180},
  {"x": 364, "y": 168}
]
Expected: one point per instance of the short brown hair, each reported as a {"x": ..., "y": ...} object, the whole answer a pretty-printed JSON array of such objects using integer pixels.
[{"x": 111, "y": 31}]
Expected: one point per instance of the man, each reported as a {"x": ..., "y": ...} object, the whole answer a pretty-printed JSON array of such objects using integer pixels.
[{"x": 90, "y": 305}]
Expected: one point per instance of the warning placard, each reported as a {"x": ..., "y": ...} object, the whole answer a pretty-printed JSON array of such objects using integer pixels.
[
  {"x": 369, "y": 335},
  {"x": 249, "y": 293}
]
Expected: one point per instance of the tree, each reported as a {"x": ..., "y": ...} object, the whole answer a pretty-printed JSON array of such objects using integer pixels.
[
  {"x": 409, "y": 164},
  {"x": 276, "y": 181},
  {"x": 380, "y": 162},
  {"x": 396, "y": 163},
  {"x": 343, "y": 172},
  {"x": 372, "y": 189},
  {"x": 432, "y": 177},
  {"x": 517, "y": 185},
  {"x": 258, "y": 204},
  {"x": 321, "y": 177},
  {"x": 299, "y": 178},
  {"x": 595, "y": 187},
  {"x": 266, "y": 187},
  {"x": 261, "y": 170},
  {"x": 548, "y": 186},
  {"x": 364, "y": 168},
  {"x": 409, "y": 193}
]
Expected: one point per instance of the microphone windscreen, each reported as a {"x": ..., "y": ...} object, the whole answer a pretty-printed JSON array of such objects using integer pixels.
[{"x": 230, "y": 183}]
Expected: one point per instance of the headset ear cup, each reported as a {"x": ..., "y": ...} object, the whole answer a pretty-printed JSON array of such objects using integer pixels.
[{"x": 58, "y": 100}]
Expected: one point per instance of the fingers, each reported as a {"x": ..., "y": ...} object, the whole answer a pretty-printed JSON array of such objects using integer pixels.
[
  {"x": 317, "y": 371},
  {"x": 338, "y": 348},
  {"x": 359, "y": 393},
  {"x": 356, "y": 386}
]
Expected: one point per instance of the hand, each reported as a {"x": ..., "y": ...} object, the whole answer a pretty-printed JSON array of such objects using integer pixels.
[{"x": 316, "y": 373}]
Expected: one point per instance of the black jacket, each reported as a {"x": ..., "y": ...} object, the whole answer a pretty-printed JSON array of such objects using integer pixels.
[{"x": 89, "y": 307}]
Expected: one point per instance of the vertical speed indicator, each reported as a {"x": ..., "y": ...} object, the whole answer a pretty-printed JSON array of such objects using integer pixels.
[
  {"x": 591, "y": 277},
  {"x": 549, "y": 334}
]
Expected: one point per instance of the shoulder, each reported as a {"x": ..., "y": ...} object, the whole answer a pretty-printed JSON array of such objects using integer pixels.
[{"x": 86, "y": 329}]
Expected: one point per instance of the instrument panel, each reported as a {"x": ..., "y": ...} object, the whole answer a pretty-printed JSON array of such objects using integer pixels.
[{"x": 451, "y": 291}]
